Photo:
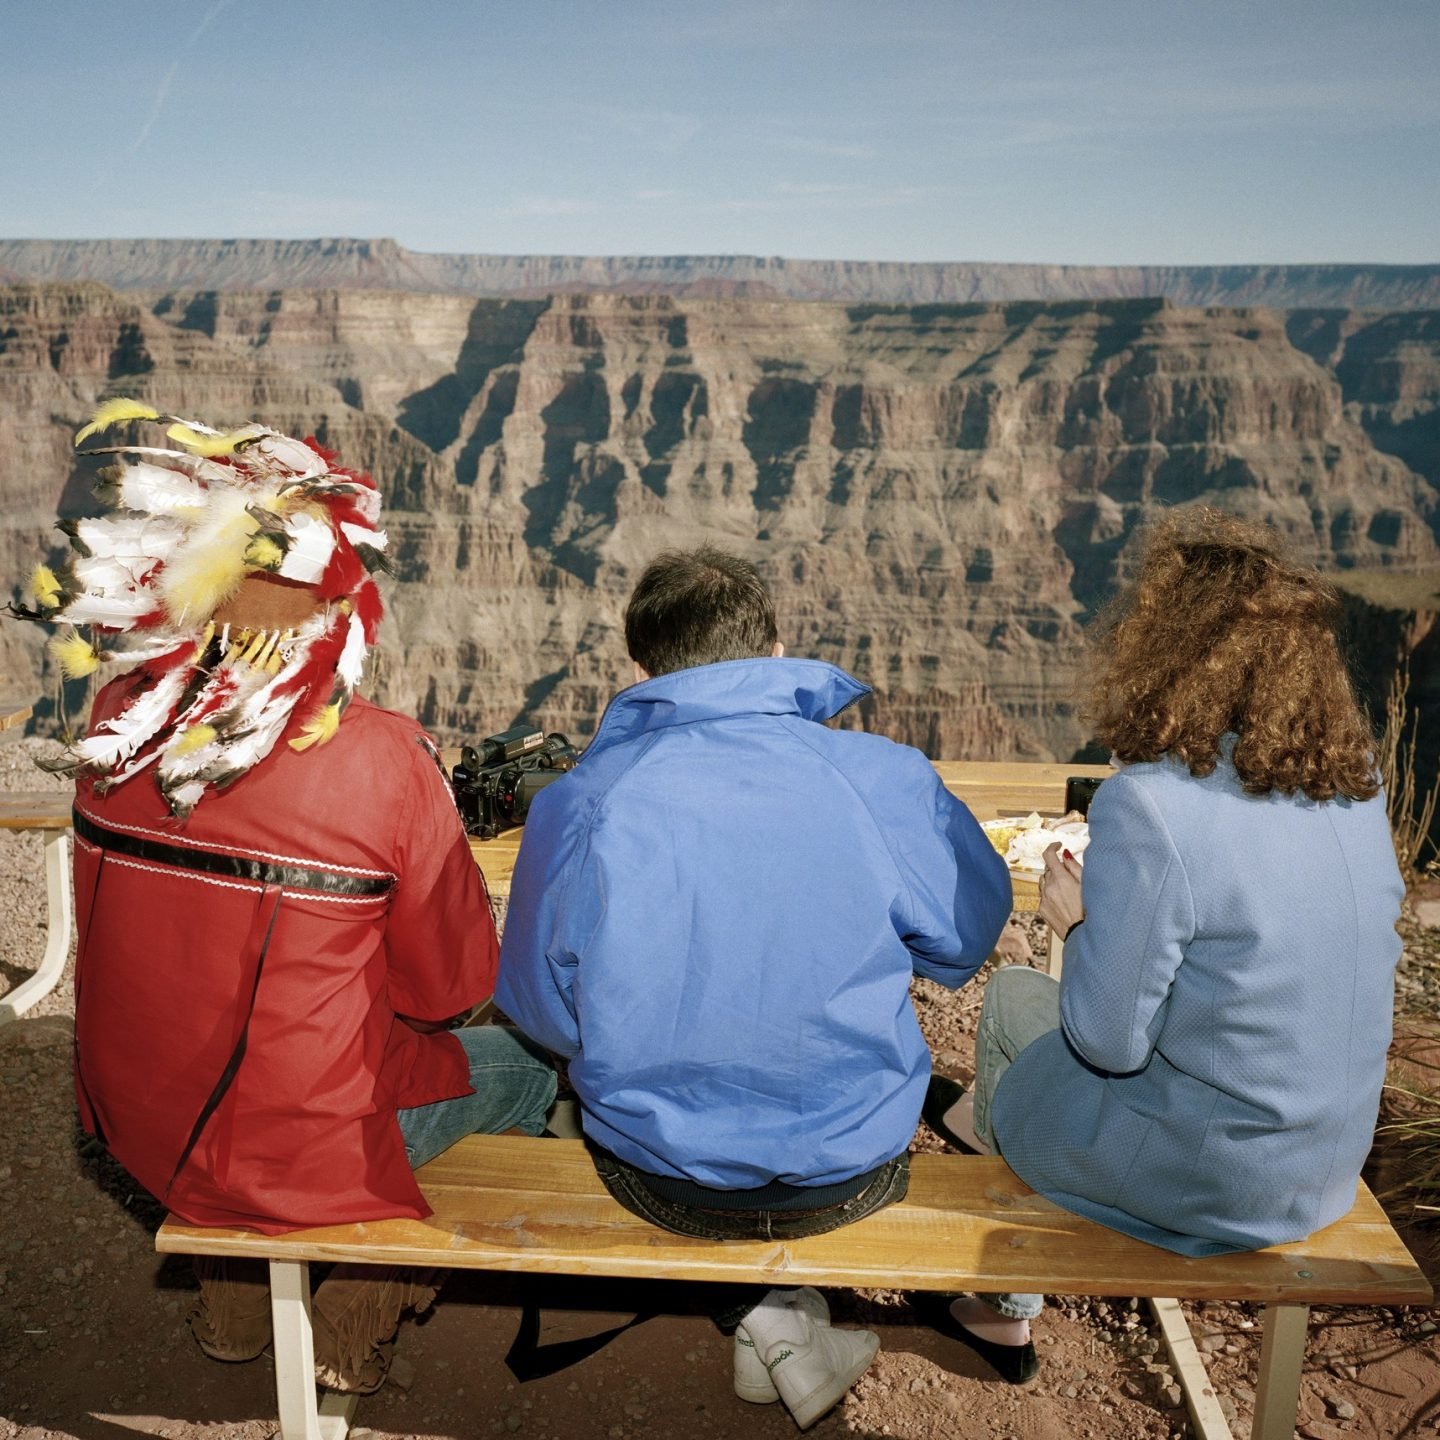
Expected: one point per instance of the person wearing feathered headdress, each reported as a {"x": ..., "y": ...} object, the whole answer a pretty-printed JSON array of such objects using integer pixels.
[
  {"x": 270, "y": 873},
  {"x": 180, "y": 572}
]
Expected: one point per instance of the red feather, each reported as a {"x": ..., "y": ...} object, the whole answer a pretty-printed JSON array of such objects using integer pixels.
[
  {"x": 324, "y": 657},
  {"x": 344, "y": 572},
  {"x": 369, "y": 609},
  {"x": 161, "y": 664},
  {"x": 328, "y": 456},
  {"x": 223, "y": 692}
]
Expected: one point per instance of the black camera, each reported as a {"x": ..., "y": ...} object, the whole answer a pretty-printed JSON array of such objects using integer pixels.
[
  {"x": 1080, "y": 791},
  {"x": 496, "y": 780}
]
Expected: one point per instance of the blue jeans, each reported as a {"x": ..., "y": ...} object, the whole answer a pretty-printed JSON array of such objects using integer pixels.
[
  {"x": 730, "y": 1304},
  {"x": 1020, "y": 1006},
  {"x": 514, "y": 1087}
]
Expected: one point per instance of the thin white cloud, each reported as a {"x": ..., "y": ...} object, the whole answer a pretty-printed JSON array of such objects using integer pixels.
[
  {"x": 830, "y": 149},
  {"x": 532, "y": 206},
  {"x": 287, "y": 212},
  {"x": 662, "y": 131},
  {"x": 839, "y": 197},
  {"x": 163, "y": 89}
]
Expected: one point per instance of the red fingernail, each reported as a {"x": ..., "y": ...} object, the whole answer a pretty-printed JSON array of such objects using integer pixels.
[{"x": 1066, "y": 855}]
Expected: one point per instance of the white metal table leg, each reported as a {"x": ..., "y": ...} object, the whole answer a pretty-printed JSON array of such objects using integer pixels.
[
  {"x": 1206, "y": 1416},
  {"x": 1054, "y": 955},
  {"x": 1282, "y": 1356},
  {"x": 300, "y": 1417},
  {"x": 58, "y": 933}
]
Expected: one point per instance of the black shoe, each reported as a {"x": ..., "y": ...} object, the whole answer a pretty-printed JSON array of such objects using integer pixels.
[
  {"x": 1015, "y": 1364},
  {"x": 940, "y": 1095}
]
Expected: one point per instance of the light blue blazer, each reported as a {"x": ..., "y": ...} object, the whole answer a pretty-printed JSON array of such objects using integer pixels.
[{"x": 1225, "y": 1014}]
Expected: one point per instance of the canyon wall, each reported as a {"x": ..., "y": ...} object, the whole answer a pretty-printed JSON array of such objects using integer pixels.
[
  {"x": 939, "y": 494},
  {"x": 383, "y": 264}
]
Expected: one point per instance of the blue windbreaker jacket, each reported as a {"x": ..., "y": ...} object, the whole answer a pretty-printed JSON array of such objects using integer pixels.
[{"x": 716, "y": 916}]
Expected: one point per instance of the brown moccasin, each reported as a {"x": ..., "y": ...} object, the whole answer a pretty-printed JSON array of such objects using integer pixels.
[
  {"x": 231, "y": 1319},
  {"x": 355, "y": 1314}
]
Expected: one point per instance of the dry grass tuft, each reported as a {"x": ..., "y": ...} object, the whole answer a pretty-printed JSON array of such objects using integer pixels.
[
  {"x": 1410, "y": 819},
  {"x": 1411, "y": 1137}
]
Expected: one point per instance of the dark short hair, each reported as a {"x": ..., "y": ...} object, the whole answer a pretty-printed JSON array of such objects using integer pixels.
[{"x": 698, "y": 607}]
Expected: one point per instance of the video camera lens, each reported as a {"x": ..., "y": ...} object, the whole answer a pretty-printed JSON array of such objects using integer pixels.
[{"x": 497, "y": 779}]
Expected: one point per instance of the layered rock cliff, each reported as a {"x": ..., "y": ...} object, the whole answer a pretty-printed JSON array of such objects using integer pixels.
[
  {"x": 384, "y": 264},
  {"x": 939, "y": 494}
]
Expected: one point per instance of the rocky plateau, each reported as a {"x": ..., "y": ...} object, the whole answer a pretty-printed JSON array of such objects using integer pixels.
[{"x": 349, "y": 263}]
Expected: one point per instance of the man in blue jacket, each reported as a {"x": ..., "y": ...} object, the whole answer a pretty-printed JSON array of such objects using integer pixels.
[{"x": 715, "y": 918}]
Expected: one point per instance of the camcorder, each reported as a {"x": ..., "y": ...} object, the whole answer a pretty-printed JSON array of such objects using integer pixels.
[{"x": 497, "y": 779}]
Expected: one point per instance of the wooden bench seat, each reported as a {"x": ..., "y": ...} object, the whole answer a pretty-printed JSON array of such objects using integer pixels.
[{"x": 968, "y": 1223}]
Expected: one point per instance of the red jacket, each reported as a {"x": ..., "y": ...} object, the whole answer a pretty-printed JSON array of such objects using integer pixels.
[{"x": 347, "y": 866}]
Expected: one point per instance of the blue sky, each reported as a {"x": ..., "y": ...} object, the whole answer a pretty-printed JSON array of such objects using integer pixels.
[{"x": 1080, "y": 131}]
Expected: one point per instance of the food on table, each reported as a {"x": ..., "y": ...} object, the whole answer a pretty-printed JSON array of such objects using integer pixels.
[{"x": 1023, "y": 839}]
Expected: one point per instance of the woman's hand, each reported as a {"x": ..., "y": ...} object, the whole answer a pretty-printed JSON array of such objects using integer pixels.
[{"x": 1060, "y": 905}]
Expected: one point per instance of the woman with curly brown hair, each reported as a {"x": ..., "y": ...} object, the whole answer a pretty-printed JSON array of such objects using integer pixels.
[{"x": 1207, "y": 1073}]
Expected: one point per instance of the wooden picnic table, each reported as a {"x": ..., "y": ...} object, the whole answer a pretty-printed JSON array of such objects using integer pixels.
[{"x": 991, "y": 788}]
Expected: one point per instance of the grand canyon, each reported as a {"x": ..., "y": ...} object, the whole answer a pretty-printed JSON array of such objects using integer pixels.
[{"x": 941, "y": 470}]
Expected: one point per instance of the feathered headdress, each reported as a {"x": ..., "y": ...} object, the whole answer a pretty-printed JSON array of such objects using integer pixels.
[{"x": 188, "y": 527}]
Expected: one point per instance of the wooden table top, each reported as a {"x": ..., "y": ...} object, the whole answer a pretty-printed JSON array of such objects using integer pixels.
[
  {"x": 36, "y": 810},
  {"x": 990, "y": 788}
]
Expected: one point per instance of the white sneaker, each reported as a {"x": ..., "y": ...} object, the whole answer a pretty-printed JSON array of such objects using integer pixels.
[
  {"x": 813, "y": 1377},
  {"x": 752, "y": 1379}
]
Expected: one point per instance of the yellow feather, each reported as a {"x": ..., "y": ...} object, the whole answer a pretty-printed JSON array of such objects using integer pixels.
[
  {"x": 276, "y": 660},
  {"x": 112, "y": 412},
  {"x": 208, "y": 571},
  {"x": 264, "y": 553},
  {"x": 45, "y": 587},
  {"x": 208, "y": 445},
  {"x": 193, "y": 739},
  {"x": 319, "y": 728},
  {"x": 203, "y": 644},
  {"x": 75, "y": 655}
]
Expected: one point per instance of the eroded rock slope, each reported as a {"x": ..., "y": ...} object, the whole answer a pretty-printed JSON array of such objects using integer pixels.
[{"x": 940, "y": 494}]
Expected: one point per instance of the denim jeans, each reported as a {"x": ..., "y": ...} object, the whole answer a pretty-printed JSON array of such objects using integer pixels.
[
  {"x": 730, "y": 1304},
  {"x": 514, "y": 1087},
  {"x": 1020, "y": 1006}
]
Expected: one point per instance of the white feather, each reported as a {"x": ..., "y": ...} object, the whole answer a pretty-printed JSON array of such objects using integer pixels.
[
  {"x": 139, "y": 653},
  {"x": 312, "y": 543},
  {"x": 368, "y": 501},
  {"x": 186, "y": 797},
  {"x": 115, "y": 612},
  {"x": 118, "y": 738},
  {"x": 129, "y": 537},
  {"x": 132, "y": 767},
  {"x": 364, "y": 535},
  {"x": 351, "y": 664},
  {"x": 195, "y": 425},
  {"x": 283, "y": 455},
  {"x": 159, "y": 489},
  {"x": 253, "y": 746}
]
